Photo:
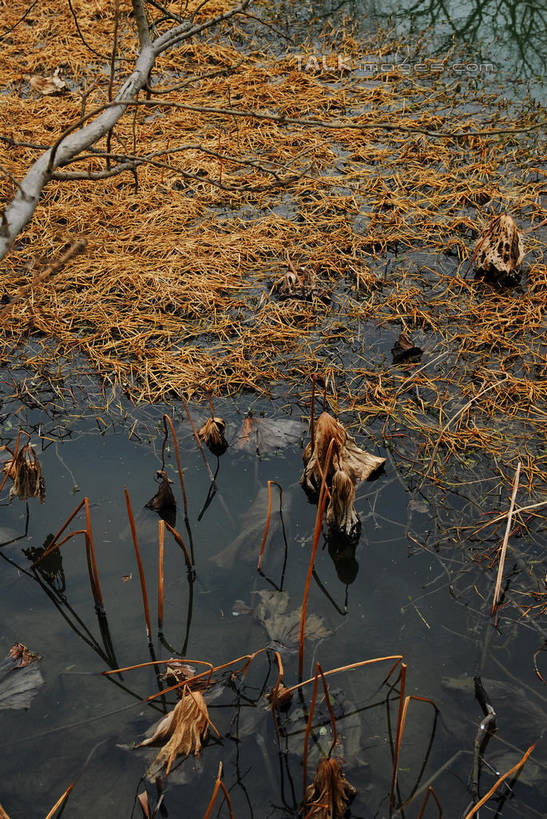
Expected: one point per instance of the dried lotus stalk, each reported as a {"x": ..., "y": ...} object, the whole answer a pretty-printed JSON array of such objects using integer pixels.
[{"x": 212, "y": 434}]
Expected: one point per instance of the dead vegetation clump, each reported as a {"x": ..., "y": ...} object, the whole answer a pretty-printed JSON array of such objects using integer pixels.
[
  {"x": 182, "y": 730},
  {"x": 173, "y": 293},
  {"x": 330, "y": 792},
  {"x": 26, "y": 474}
]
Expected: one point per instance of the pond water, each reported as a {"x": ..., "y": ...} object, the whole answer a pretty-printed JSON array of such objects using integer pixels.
[{"x": 392, "y": 597}]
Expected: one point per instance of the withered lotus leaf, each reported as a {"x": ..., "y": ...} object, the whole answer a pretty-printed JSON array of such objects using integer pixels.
[
  {"x": 212, "y": 434},
  {"x": 345, "y": 455},
  {"x": 499, "y": 250},
  {"x": 26, "y": 474},
  {"x": 341, "y": 515},
  {"x": 329, "y": 794},
  {"x": 163, "y": 501},
  {"x": 184, "y": 728}
]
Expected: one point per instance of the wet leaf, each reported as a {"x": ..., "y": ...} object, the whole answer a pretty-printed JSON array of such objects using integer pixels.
[
  {"x": 48, "y": 85},
  {"x": 25, "y": 472},
  {"x": 182, "y": 730},
  {"x": 267, "y": 435},
  {"x": 404, "y": 349},
  {"x": 212, "y": 434},
  {"x": 283, "y": 626},
  {"x": 348, "y": 726},
  {"x": 20, "y": 677},
  {"x": 329, "y": 794}
]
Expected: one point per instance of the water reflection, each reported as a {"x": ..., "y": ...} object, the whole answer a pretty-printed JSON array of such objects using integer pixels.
[{"x": 502, "y": 32}]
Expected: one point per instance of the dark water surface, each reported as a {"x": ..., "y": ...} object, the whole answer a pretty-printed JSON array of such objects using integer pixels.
[{"x": 402, "y": 599}]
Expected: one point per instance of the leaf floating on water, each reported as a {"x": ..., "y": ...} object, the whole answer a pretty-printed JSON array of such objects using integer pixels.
[
  {"x": 283, "y": 626},
  {"x": 25, "y": 471},
  {"x": 184, "y": 728},
  {"x": 330, "y": 792},
  {"x": 20, "y": 677},
  {"x": 212, "y": 434},
  {"x": 404, "y": 349},
  {"x": 267, "y": 435}
]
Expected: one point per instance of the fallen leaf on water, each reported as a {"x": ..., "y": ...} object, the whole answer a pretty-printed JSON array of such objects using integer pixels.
[
  {"x": 184, "y": 728},
  {"x": 48, "y": 85},
  {"x": 330, "y": 792},
  {"x": 267, "y": 435},
  {"x": 283, "y": 626},
  {"x": 26, "y": 474},
  {"x": 404, "y": 348},
  {"x": 20, "y": 677}
]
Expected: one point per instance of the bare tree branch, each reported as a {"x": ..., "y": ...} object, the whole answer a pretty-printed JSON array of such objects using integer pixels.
[{"x": 21, "y": 209}]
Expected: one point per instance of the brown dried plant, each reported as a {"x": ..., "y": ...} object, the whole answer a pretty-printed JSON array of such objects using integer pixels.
[
  {"x": 341, "y": 515},
  {"x": 184, "y": 728},
  {"x": 25, "y": 471},
  {"x": 499, "y": 251},
  {"x": 329, "y": 794},
  {"x": 346, "y": 455},
  {"x": 212, "y": 434}
]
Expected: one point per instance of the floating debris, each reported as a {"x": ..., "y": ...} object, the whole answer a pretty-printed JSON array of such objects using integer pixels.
[
  {"x": 405, "y": 349},
  {"x": 267, "y": 435},
  {"x": 282, "y": 625}
]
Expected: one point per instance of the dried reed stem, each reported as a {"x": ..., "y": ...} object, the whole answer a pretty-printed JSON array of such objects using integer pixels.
[
  {"x": 502, "y": 778},
  {"x": 60, "y": 801},
  {"x": 503, "y": 552},
  {"x": 167, "y": 419},
  {"x": 161, "y": 539},
  {"x": 139, "y": 563},
  {"x": 317, "y": 532},
  {"x": 219, "y": 785},
  {"x": 181, "y": 544},
  {"x": 91, "y": 550}
]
